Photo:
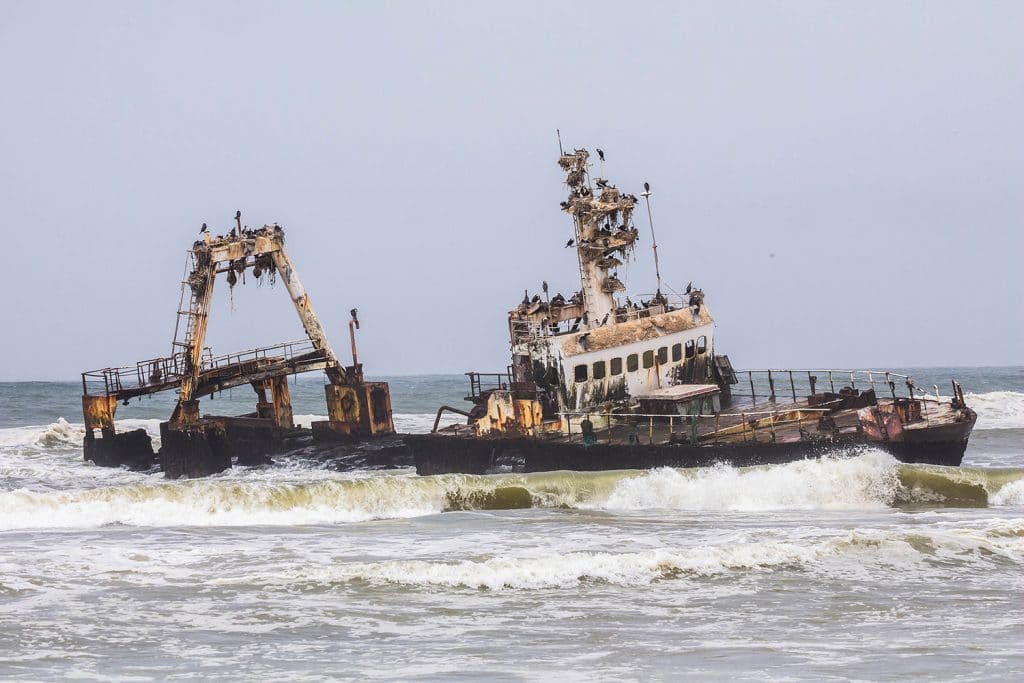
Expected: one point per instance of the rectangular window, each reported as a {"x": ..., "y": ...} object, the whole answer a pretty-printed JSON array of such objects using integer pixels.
[
  {"x": 598, "y": 370},
  {"x": 689, "y": 349},
  {"x": 581, "y": 373},
  {"x": 702, "y": 344},
  {"x": 677, "y": 352},
  {"x": 616, "y": 366},
  {"x": 648, "y": 359},
  {"x": 632, "y": 362},
  {"x": 662, "y": 355}
]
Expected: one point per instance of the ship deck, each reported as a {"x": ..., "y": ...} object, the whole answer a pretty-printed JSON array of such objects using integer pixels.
[{"x": 743, "y": 421}]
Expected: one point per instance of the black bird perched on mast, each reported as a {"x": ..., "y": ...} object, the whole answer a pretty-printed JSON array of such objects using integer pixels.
[
  {"x": 203, "y": 229},
  {"x": 647, "y": 187},
  {"x": 689, "y": 286},
  {"x": 526, "y": 298},
  {"x": 600, "y": 154}
]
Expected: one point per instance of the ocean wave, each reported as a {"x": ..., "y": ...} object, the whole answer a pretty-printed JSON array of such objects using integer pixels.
[
  {"x": 1010, "y": 494},
  {"x": 842, "y": 554},
  {"x": 997, "y": 409},
  {"x": 869, "y": 481}
]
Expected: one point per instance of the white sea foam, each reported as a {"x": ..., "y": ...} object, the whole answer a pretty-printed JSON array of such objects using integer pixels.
[
  {"x": 856, "y": 553},
  {"x": 870, "y": 480},
  {"x": 998, "y": 409},
  {"x": 222, "y": 502},
  {"x": 282, "y": 496},
  {"x": 1011, "y": 494}
]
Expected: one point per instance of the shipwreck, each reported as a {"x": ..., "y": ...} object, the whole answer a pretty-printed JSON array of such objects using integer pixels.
[
  {"x": 195, "y": 444},
  {"x": 600, "y": 380}
]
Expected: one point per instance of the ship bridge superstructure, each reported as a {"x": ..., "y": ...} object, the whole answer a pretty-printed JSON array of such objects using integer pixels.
[{"x": 599, "y": 345}]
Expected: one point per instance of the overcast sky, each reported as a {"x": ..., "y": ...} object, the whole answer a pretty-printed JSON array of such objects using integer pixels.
[{"x": 845, "y": 181}]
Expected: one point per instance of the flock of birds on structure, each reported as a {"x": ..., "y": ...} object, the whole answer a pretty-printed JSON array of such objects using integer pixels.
[
  {"x": 605, "y": 233},
  {"x": 238, "y": 230}
]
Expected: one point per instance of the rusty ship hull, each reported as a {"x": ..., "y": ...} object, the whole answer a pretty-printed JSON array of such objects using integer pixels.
[
  {"x": 602, "y": 380},
  {"x": 747, "y": 434},
  {"x": 444, "y": 454}
]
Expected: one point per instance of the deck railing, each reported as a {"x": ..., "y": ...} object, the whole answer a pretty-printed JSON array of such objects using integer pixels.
[
  {"x": 481, "y": 382},
  {"x": 162, "y": 373},
  {"x": 751, "y": 423},
  {"x": 776, "y": 384}
]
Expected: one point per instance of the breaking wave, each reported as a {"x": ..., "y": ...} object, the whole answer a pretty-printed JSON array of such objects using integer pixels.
[
  {"x": 998, "y": 409},
  {"x": 844, "y": 554},
  {"x": 871, "y": 480}
]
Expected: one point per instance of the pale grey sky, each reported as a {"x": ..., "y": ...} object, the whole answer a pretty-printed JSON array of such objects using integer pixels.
[{"x": 844, "y": 180}]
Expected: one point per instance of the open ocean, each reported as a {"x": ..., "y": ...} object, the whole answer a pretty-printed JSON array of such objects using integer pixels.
[{"x": 850, "y": 567}]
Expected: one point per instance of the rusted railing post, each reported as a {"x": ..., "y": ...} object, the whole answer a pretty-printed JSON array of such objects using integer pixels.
[
  {"x": 792, "y": 387},
  {"x": 831, "y": 384},
  {"x": 771, "y": 387},
  {"x": 753, "y": 396}
]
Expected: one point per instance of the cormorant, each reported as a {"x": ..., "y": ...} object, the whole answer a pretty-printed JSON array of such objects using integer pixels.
[
  {"x": 602, "y": 183},
  {"x": 600, "y": 154},
  {"x": 647, "y": 187},
  {"x": 605, "y": 320},
  {"x": 203, "y": 229},
  {"x": 570, "y": 243},
  {"x": 689, "y": 287}
]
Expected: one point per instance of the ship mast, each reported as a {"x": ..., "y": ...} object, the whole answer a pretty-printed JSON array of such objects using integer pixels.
[{"x": 605, "y": 235}]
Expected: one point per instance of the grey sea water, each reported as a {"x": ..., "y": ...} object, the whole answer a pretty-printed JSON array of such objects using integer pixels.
[{"x": 850, "y": 567}]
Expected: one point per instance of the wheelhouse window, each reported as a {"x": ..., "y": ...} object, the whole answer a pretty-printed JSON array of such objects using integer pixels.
[
  {"x": 702, "y": 344},
  {"x": 690, "y": 350},
  {"x": 632, "y": 362},
  {"x": 677, "y": 352},
  {"x": 663, "y": 355},
  {"x": 648, "y": 359},
  {"x": 581, "y": 373},
  {"x": 616, "y": 366},
  {"x": 597, "y": 372}
]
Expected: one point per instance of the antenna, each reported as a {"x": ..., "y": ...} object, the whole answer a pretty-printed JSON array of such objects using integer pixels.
[
  {"x": 646, "y": 194},
  {"x": 559, "y": 134}
]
